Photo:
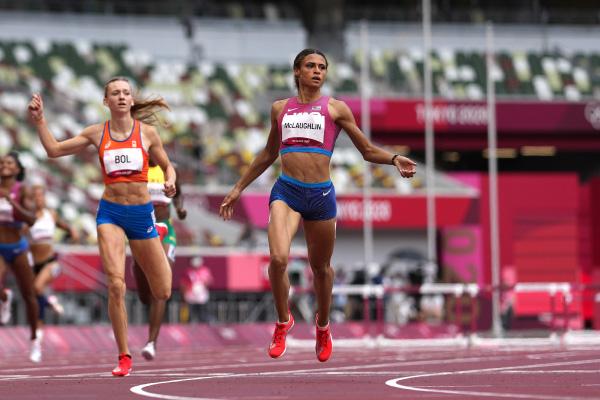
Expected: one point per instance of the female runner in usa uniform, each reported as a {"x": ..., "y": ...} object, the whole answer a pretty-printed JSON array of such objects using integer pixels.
[
  {"x": 304, "y": 130},
  {"x": 16, "y": 210},
  {"x": 125, "y": 210}
]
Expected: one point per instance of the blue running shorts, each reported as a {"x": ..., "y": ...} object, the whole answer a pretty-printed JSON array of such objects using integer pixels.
[
  {"x": 11, "y": 250},
  {"x": 314, "y": 201},
  {"x": 137, "y": 221}
]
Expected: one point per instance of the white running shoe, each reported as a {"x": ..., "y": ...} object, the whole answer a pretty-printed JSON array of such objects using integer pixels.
[
  {"x": 39, "y": 334},
  {"x": 5, "y": 307},
  {"x": 149, "y": 351},
  {"x": 56, "y": 306},
  {"x": 36, "y": 351}
]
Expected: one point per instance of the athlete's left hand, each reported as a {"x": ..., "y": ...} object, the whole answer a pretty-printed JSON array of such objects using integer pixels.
[
  {"x": 405, "y": 166},
  {"x": 169, "y": 189},
  {"x": 181, "y": 213}
]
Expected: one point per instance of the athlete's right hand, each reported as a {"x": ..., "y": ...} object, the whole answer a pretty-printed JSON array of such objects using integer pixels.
[
  {"x": 226, "y": 209},
  {"x": 36, "y": 107}
]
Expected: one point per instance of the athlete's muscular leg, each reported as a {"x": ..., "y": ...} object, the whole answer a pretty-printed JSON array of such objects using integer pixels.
[
  {"x": 320, "y": 240},
  {"x": 111, "y": 242},
  {"x": 43, "y": 278},
  {"x": 283, "y": 225},
  {"x": 157, "y": 307},
  {"x": 3, "y": 268},
  {"x": 144, "y": 292},
  {"x": 21, "y": 267},
  {"x": 153, "y": 261}
]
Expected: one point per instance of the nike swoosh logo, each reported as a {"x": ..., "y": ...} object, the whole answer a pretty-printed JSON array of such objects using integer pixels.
[
  {"x": 292, "y": 109},
  {"x": 326, "y": 193}
]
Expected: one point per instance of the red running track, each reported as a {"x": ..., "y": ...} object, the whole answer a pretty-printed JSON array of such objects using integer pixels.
[{"x": 354, "y": 372}]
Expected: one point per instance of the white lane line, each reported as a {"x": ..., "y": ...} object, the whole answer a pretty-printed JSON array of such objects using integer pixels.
[
  {"x": 394, "y": 382},
  {"x": 103, "y": 368},
  {"x": 566, "y": 371},
  {"x": 140, "y": 389},
  {"x": 10, "y": 377},
  {"x": 267, "y": 364}
]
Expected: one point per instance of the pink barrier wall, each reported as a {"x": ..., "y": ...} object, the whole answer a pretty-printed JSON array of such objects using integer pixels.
[{"x": 402, "y": 115}]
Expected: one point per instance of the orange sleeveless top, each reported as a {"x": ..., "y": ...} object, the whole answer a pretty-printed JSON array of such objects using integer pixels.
[{"x": 123, "y": 161}]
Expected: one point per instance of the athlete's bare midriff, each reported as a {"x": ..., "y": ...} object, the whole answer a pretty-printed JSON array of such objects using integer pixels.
[
  {"x": 41, "y": 252},
  {"x": 127, "y": 193},
  {"x": 306, "y": 167},
  {"x": 10, "y": 234}
]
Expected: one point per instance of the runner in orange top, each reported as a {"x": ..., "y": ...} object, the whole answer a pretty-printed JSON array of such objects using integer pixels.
[
  {"x": 123, "y": 160},
  {"x": 125, "y": 210}
]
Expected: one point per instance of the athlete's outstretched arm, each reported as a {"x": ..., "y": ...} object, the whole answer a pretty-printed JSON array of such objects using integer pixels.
[
  {"x": 66, "y": 227},
  {"x": 263, "y": 160},
  {"x": 342, "y": 116},
  {"x": 53, "y": 148}
]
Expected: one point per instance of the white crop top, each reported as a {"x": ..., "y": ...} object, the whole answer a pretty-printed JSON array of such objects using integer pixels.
[{"x": 42, "y": 231}]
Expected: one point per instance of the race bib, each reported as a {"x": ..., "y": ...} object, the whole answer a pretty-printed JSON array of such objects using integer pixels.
[
  {"x": 157, "y": 196},
  {"x": 6, "y": 211},
  {"x": 123, "y": 162},
  {"x": 306, "y": 129}
]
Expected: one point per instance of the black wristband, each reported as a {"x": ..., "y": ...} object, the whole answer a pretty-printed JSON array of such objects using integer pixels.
[{"x": 394, "y": 158}]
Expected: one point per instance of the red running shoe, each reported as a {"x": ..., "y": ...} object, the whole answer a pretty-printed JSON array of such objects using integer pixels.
[
  {"x": 324, "y": 345},
  {"x": 277, "y": 346},
  {"x": 124, "y": 365},
  {"x": 162, "y": 230}
]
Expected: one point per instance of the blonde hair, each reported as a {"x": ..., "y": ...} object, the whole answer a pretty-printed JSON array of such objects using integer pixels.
[{"x": 145, "y": 110}]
